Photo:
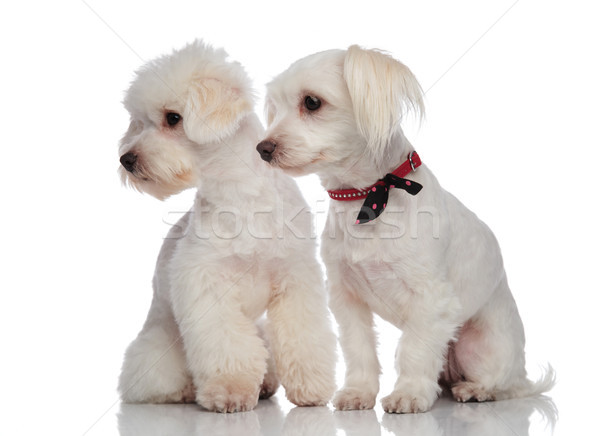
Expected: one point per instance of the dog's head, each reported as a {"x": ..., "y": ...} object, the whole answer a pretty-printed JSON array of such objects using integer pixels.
[
  {"x": 332, "y": 107},
  {"x": 182, "y": 106}
]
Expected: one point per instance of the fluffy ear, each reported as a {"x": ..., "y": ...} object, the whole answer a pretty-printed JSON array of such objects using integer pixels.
[
  {"x": 214, "y": 110},
  {"x": 382, "y": 91}
]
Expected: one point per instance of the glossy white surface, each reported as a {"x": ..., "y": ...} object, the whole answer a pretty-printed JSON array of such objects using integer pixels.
[{"x": 269, "y": 418}]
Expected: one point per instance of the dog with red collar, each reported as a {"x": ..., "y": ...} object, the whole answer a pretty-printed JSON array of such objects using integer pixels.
[{"x": 416, "y": 256}]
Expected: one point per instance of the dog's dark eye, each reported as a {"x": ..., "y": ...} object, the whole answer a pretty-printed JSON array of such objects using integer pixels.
[
  {"x": 312, "y": 103},
  {"x": 172, "y": 118}
]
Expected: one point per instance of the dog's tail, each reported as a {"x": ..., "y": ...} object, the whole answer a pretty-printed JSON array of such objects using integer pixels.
[{"x": 528, "y": 388}]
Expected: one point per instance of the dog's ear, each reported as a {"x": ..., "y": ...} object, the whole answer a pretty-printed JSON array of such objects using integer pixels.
[
  {"x": 382, "y": 90},
  {"x": 214, "y": 109}
]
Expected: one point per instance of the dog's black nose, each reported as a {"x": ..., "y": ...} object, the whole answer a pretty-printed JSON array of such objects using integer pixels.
[
  {"x": 128, "y": 161},
  {"x": 266, "y": 149}
]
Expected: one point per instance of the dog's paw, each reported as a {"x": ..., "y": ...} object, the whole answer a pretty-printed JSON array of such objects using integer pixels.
[
  {"x": 269, "y": 386},
  {"x": 306, "y": 396},
  {"x": 353, "y": 399},
  {"x": 303, "y": 390},
  {"x": 401, "y": 402},
  {"x": 469, "y": 391},
  {"x": 186, "y": 395},
  {"x": 228, "y": 394}
]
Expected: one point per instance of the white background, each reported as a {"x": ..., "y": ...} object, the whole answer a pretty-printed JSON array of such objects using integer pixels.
[{"x": 511, "y": 129}]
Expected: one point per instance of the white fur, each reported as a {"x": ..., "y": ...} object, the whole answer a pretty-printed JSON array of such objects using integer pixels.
[
  {"x": 243, "y": 249},
  {"x": 427, "y": 264}
]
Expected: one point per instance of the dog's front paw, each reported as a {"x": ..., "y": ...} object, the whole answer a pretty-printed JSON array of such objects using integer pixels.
[
  {"x": 402, "y": 402},
  {"x": 302, "y": 395},
  {"x": 353, "y": 399},
  {"x": 228, "y": 394}
]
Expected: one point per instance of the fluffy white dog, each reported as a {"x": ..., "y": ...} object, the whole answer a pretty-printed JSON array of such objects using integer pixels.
[
  {"x": 427, "y": 264},
  {"x": 243, "y": 249}
]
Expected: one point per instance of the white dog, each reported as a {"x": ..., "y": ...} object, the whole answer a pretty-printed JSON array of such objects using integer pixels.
[
  {"x": 245, "y": 247},
  {"x": 427, "y": 264}
]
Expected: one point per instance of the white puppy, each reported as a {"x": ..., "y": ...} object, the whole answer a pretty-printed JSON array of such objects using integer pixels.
[
  {"x": 427, "y": 265},
  {"x": 245, "y": 247}
]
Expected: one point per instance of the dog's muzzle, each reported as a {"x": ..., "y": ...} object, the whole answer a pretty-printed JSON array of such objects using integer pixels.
[
  {"x": 266, "y": 149},
  {"x": 128, "y": 161}
]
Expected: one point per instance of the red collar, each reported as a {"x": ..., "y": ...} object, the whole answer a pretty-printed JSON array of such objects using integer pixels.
[{"x": 411, "y": 164}]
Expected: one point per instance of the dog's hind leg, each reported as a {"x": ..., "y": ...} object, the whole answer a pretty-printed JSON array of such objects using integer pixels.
[
  {"x": 154, "y": 368},
  {"x": 490, "y": 354}
]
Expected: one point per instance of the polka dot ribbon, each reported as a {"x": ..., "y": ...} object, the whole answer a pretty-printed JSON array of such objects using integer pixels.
[{"x": 377, "y": 198}]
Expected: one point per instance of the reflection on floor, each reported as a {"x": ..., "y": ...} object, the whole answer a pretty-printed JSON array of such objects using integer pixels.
[{"x": 447, "y": 418}]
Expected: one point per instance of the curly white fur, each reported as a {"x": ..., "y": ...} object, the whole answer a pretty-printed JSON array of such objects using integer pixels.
[
  {"x": 243, "y": 249},
  {"x": 427, "y": 264}
]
